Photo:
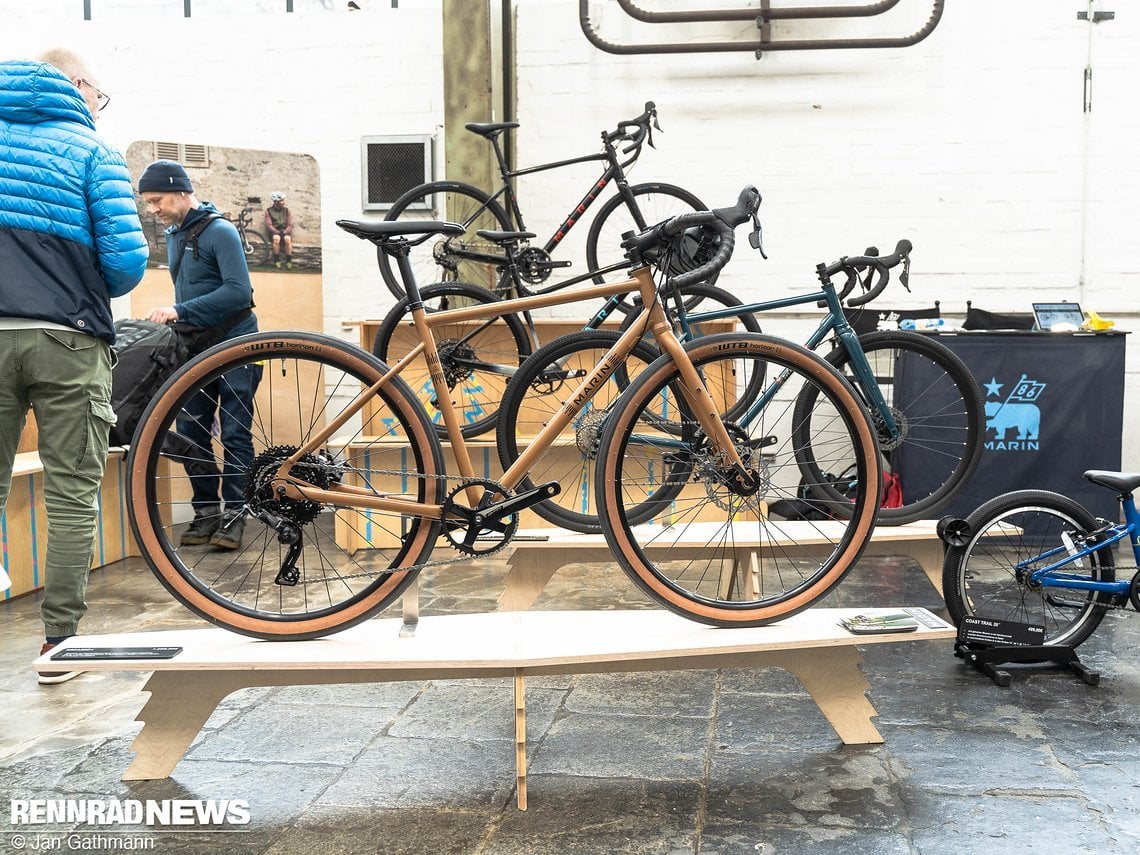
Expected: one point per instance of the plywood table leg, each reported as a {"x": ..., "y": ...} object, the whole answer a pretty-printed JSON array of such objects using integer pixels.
[
  {"x": 834, "y": 679},
  {"x": 930, "y": 555},
  {"x": 411, "y": 609},
  {"x": 180, "y": 702},
  {"x": 520, "y": 737},
  {"x": 530, "y": 572}
]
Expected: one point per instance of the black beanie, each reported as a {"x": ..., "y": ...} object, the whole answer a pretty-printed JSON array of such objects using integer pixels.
[{"x": 165, "y": 176}]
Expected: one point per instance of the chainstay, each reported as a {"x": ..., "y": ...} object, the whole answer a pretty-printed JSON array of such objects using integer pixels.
[{"x": 439, "y": 562}]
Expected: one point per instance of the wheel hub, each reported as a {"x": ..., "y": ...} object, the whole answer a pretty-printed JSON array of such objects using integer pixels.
[
  {"x": 316, "y": 469},
  {"x": 588, "y": 433},
  {"x": 886, "y": 441},
  {"x": 441, "y": 252},
  {"x": 456, "y": 357},
  {"x": 713, "y": 470}
]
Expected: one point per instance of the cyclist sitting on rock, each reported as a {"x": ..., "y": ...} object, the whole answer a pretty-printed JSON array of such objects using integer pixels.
[{"x": 279, "y": 224}]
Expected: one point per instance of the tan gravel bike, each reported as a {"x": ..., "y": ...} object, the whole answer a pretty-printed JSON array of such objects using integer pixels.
[{"x": 347, "y": 489}]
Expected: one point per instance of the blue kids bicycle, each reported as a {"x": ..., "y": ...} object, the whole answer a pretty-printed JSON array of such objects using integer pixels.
[{"x": 1037, "y": 557}]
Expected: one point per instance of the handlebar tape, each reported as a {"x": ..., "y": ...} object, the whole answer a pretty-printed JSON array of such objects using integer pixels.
[{"x": 721, "y": 220}]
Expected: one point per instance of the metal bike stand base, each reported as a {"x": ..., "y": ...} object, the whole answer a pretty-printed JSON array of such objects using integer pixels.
[{"x": 985, "y": 659}]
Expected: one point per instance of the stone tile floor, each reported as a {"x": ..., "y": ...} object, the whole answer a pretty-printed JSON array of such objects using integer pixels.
[{"x": 729, "y": 761}]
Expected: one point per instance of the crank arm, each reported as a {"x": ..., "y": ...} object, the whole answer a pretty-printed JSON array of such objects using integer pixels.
[{"x": 507, "y": 507}]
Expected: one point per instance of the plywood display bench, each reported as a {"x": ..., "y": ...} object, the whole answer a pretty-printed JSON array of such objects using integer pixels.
[{"x": 213, "y": 663}]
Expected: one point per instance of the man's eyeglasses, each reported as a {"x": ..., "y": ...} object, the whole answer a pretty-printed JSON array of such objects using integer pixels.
[{"x": 102, "y": 99}]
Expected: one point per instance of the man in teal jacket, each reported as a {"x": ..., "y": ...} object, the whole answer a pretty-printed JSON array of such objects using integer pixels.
[
  {"x": 70, "y": 239},
  {"x": 211, "y": 289}
]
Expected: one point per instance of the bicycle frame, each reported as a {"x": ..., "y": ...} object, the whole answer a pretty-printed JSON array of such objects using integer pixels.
[
  {"x": 834, "y": 322},
  {"x": 614, "y": 172},
  {"x": 1051, "y": 577},
  {"x": 652, "y": 320}
]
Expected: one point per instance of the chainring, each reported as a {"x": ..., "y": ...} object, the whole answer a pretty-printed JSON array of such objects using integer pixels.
[
  {"x": 477, "y": 538},
  {"x": 534, "y": 265}
]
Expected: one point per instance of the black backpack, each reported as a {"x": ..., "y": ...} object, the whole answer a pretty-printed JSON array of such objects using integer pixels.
[{"x": 148, "y": 353}]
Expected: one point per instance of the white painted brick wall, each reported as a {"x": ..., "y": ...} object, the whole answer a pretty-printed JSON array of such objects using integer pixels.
[
  {"x": 973, "y": 143},
  {"x": 312, "y": 82}
]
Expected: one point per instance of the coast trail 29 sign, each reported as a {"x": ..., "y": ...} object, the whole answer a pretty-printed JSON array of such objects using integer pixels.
[{"x": 1054, "y": 407}]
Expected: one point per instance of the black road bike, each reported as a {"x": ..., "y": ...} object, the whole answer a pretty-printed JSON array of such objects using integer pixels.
[{"x": 479, "y": 260}]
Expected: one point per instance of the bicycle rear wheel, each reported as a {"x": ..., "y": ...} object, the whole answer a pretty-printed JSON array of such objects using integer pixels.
[
  {"x": 1007, "y": 540},
  {"x": 542, "y": 386},
  {"x": 478, "y": 357},
  {"x": 937, "y": 405},
  {"x": 714, "y": 553},
  {"x": 343, "y": 564},
  {"x": 441, "y": 259}
]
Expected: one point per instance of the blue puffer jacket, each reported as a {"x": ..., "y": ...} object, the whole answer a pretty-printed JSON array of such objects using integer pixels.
[{"x": 70, "y": 237}]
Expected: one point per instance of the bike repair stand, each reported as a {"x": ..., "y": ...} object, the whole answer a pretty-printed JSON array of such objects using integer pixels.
[{"x": 986, "y": 657}]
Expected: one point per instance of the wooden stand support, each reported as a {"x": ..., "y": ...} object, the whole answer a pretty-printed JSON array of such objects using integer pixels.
[{"x": 185, "y": 690}]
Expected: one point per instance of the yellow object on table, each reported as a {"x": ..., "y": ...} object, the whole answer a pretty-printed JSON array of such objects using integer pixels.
[{"x": 1096, "y": 322}]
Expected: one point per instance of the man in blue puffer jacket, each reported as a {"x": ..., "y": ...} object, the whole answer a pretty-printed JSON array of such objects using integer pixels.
[
  {"x": 211, "y": 289},
  {"x": 70, "y": 239}
]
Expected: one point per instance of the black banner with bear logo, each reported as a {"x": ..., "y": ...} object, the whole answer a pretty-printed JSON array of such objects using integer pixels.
[{"x": 1054, "y": 407}]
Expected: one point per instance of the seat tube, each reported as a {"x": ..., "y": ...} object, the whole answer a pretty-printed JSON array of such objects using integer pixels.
[{"x": 431, "y": 356}]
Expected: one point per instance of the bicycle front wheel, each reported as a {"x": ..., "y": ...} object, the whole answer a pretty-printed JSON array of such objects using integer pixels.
[
  {"x": 542, "y": 386},
  {"x": 715, "y": 553},
  {"x": 302, "y": 568},
  {"x": 936, "y": 405},
  {"x": 478, "y": 357},
  {"x": 256, "y": 249},
  {"x": 1009, "y": 538},
  {"x": 655, "y": 202},
  {"x": 442, "y": 258}
]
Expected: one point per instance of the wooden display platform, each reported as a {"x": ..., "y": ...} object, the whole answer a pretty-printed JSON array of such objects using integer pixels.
[
  {"x": 539, "y": 553},
  {"x": 213, "y": 663}
]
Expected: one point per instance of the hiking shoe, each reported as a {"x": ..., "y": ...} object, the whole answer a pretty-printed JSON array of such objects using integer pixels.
[
  {"x": 228, "y": 535},
  {"x": 202, "y": 527},
  {"x": 50, "y": 678}
]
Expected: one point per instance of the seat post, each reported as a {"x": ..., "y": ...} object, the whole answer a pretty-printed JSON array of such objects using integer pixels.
[{"x": 401, "y": 250}]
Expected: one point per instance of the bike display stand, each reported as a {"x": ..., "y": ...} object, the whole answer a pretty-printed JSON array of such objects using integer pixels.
[
  {"x": 213, "y": 663},
  {"x": 986, "y": 658}
]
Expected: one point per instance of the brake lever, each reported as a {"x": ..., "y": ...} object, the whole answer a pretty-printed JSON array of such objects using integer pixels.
[
  {"x": 904, "y": 277},
  {"x": 756, "y": 237}
]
